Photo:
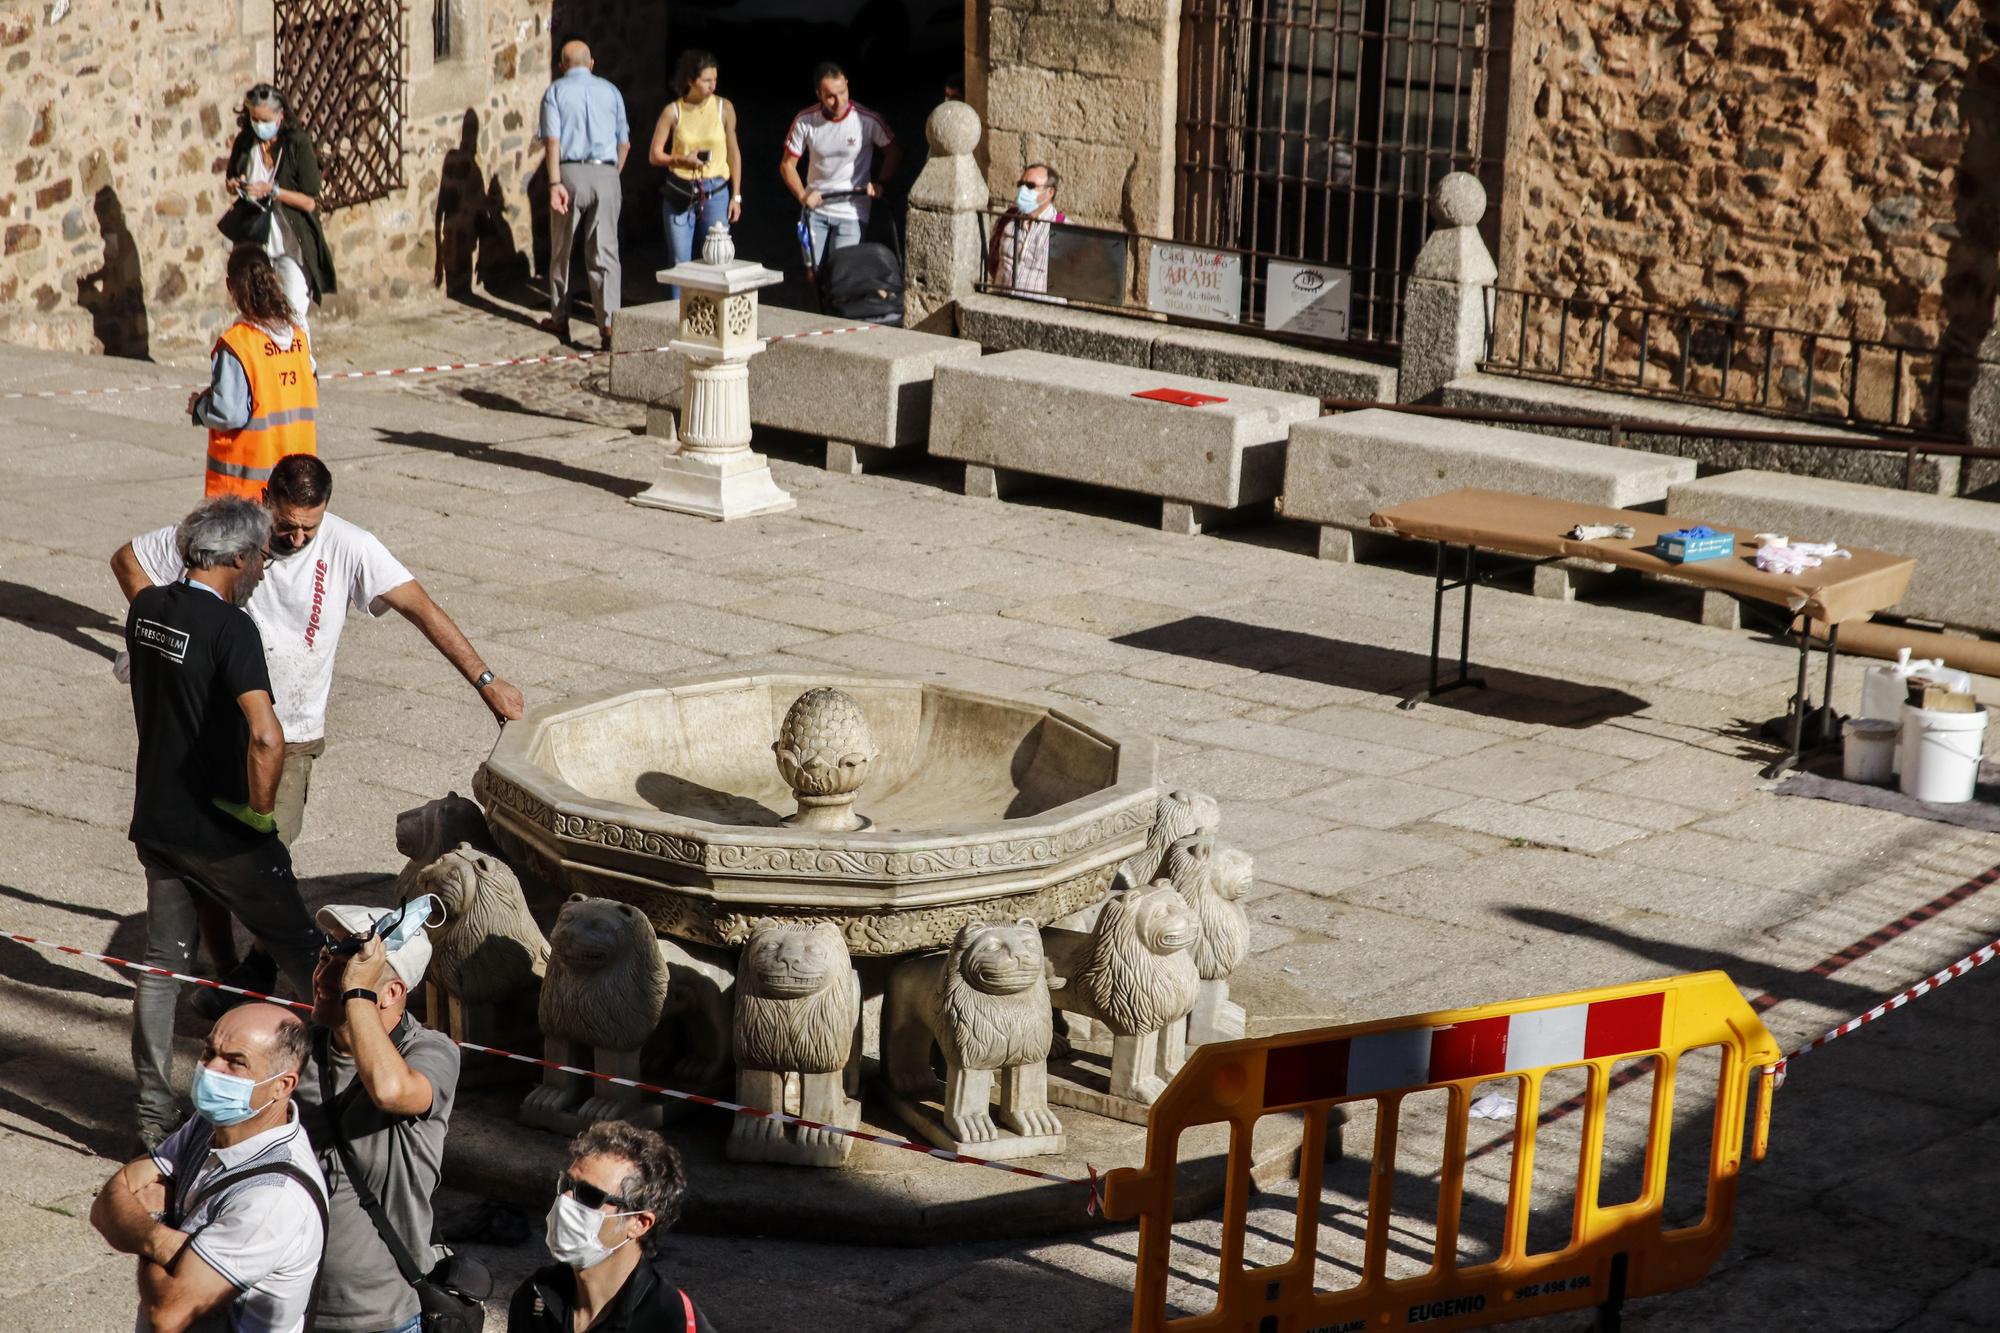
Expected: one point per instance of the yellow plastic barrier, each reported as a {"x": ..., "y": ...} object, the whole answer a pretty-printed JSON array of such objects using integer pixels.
[{"x": 1613, "y": 1251}]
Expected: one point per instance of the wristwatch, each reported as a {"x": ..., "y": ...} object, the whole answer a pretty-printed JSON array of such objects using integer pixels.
[
  {"x": 359, "y": 994},
  {"x": 484, "y": 679}
]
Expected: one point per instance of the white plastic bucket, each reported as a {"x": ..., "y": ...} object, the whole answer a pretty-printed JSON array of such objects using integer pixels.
[
  {"x": 1940, "y": 754},
  {"x": 1869, "y": 753}
]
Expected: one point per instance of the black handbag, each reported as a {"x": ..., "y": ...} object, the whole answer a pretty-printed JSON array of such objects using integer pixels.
[
  {"x": 452, "y": 1294},
  {"x": 248, "y": 223}
]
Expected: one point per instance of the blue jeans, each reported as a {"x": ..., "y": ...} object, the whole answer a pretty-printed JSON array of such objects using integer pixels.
[
  {"x": 416, "y": 1325},
  {"x": 834, "y": 233},
  {"x": 687, "y": 228}
]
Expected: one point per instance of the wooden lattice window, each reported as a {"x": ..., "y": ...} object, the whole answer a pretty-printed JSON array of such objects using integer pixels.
[{"x": 340, "y": 63}]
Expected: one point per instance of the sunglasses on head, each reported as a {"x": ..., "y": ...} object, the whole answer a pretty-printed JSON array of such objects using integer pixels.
[{"x": 588, "y": 1194}]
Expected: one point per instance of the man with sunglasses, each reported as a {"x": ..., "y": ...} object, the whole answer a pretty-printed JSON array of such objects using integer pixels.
[
  {"x": 322, "y": 567},
  {"x": 1017, "y": 260},
  {"x": 622, "y": 1188},
  {"x": 392, "y": 1082}
]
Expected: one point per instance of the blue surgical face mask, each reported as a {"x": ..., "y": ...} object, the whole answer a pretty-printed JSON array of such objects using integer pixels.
[
  {"x": 266, "y": 130},
  {"x": 1027, "y": 199},
  {"x": 224, "y": 1099},
  {"x": 416, "y": 915}
]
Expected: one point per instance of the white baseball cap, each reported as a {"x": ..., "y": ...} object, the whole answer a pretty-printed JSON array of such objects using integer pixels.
[{"x": 408, "y": 959}]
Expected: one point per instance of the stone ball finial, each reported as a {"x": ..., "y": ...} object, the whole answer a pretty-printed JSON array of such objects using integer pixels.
[
  {"x": 717, "y": 248},
  {"x": 823, "y": 750},
  {"x": 953, "y": 130},
  {"x": 1460, "y": 200}
]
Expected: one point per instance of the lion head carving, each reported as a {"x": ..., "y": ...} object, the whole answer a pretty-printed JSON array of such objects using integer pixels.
[
  {"x": 996, "y": 998},
  {"x": 1212, "y": 879},
  {"x": 797, "y": 999},
  {"x": 430, "y": 830},
  {"x": 1178, "y": 814},
  {"x": 606, "y": 982},
  {"x": 1141, "y": 975},
  {"x": 488, "y": 945}
]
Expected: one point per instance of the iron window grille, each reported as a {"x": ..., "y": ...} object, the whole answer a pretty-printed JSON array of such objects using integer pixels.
[{"x": 341, "y": 65}]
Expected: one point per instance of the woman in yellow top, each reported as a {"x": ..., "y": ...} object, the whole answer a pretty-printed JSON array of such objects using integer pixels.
[{"x": 696, "y": 142}]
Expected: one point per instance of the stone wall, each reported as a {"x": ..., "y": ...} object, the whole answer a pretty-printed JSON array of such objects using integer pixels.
[
  {"x": 1087, "y": 85},
  {"x": 117, "y": 119},
  {"x": 1813, "y": 163}
]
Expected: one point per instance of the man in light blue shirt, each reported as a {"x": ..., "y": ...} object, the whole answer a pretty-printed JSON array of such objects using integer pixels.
[{"x": 587, "y": 136}]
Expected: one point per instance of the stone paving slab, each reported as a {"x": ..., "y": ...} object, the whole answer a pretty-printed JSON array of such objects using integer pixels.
[{"x": 1271, "y": 678}]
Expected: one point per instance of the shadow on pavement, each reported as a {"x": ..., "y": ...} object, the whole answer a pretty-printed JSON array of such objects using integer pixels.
[
  {"x": 1362, "y": 666},
  {"x": 480, "y": 452},
  {"x": 71, "y": 622}
]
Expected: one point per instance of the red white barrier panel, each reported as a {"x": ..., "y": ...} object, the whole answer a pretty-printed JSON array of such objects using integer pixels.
[
  {"x": 1091, "y": 1205},
  {"x": 1894, "y": 1002},
  {"x": 423, "y": 370}
]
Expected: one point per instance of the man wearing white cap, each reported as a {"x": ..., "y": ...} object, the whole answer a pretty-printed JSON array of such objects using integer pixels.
[{"x": 382, "y": 1086}]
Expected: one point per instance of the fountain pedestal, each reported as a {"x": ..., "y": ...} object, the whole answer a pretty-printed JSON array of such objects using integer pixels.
[{"x": 715, "y": 473}]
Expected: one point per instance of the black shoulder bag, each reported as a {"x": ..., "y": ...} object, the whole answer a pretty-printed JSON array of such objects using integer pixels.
[{"x": 452, "y": 1294}]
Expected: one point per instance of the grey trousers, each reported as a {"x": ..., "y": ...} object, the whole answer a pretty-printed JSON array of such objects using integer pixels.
[
  {"x": 594, "y": 198},
  {"x": 259, "y": 889}
]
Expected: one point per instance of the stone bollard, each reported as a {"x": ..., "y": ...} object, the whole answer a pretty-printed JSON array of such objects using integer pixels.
[
  {"x": 944, "y": 250},
  {"x": 1448, "y": 303}
]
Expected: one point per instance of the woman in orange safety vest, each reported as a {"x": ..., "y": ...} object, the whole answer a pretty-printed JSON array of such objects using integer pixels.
[{"x": 262, "y": 398}]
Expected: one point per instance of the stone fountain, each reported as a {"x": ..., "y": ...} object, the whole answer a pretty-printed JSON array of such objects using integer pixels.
[{"x": 864, "y": 887}]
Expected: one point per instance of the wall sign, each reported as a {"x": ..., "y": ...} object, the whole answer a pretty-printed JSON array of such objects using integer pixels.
[
  {"x": 1197, "y": 283},
  {"x": 1307, "y": 299}
]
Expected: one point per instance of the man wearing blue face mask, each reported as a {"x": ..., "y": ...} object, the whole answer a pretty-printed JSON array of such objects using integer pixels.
[
  {"x": 228, "y": 1215},
  {"x": 379, "y": 1094},
  {"x": 622, "y": 1188},
  {"x": 1017, "y": 260}
]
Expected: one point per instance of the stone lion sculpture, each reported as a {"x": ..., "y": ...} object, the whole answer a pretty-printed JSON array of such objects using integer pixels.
[
  {"x": 797, "y": 1024},
  {"x": 487, "y": 949},
  {"x": 694, "y": 1024},
  {"x": 605, "y": 987},
  {"x": 1213, "y": 880},
  {"x": 434, "y": 828},
  {"x": 985, "y": 1006},
  {"x": 1179, "y": 814},
  {"x": 1135, "y": 973}
]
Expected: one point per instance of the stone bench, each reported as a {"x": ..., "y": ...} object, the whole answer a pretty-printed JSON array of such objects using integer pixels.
[
  {"x": 1954, "y": 541},
  {"x": 1026, "y": 413},
  {"x": 867, "y": 395},
  {"x": 1340, "y": 469}
]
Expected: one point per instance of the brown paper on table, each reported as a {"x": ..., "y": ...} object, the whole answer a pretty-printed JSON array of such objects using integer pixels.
[{"x": 1836, "y": 591}]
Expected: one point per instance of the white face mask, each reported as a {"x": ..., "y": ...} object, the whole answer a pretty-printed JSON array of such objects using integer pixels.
[{"x": 573, "y": 1231}]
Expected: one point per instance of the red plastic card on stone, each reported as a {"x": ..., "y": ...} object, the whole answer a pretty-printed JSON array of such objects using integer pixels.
[{"x": 1180, "y": 397}]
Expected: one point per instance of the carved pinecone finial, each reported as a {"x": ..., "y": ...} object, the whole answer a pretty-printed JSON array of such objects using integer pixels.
[{"x": 823, "y": 752}]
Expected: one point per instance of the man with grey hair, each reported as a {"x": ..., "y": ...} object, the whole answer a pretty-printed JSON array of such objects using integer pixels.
[
  {"x": 210, "y": 755},
  {"x": 1017, "y": 260},
  {"x": 586, "y": 136}
]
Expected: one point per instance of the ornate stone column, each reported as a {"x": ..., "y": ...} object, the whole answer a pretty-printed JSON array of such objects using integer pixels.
[
  {"x": 1449, "y": 300},
  {"x": 715, "y": 473},
  {"x": 944, "y": 250}
]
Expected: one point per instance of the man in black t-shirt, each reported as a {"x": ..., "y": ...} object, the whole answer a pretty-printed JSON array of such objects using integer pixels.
[{"x": 210, "y": 754}]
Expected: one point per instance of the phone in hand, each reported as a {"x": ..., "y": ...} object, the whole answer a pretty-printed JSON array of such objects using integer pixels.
[{"x": 701, "y": 155}]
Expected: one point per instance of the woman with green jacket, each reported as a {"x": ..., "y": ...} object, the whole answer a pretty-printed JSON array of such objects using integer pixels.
[{"x": 272, "y": 156}]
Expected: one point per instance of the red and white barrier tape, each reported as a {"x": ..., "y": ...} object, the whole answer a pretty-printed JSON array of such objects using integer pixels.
[
  {"x": 423, "y": 370},
  {"x": 1091, "y": 1206},
  {"x": 1894, "y": 1002}
]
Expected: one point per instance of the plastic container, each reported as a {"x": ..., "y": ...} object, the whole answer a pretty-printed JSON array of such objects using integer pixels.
[
  {"x": 1869, "y": 752},
  {"x": 1885, "y": 688},
  {"x": 1940, "y": 754}
]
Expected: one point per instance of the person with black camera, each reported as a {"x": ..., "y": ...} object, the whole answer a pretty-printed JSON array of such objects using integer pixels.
[
  {"x": 380, "y": 1088},
  {"x": 695, "y": 141}
]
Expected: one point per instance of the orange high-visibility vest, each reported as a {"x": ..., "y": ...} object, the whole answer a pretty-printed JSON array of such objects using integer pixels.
[{"x": 284, "y": 402}]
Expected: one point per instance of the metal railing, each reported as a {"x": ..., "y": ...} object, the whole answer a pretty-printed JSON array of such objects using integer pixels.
[
  {"x": 1717, "y": 358},
  {"x": 1617, "y": 431},
  {"x": 1127, "y": 273}
]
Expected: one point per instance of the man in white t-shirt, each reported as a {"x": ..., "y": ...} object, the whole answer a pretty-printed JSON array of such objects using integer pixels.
[
  {"x": 838, "y": 138},
  {"x": 228, "y": 1215},
  {"x": 321, "y": 566}
]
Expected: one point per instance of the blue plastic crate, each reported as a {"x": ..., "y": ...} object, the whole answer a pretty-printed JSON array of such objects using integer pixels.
[{"x": 1687, "y": 545}]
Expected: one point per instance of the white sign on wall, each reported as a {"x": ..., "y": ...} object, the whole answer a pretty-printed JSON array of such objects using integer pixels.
[
  {"x": 1200, "y": 284},
  {"x": 1307, "y": 299}
]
